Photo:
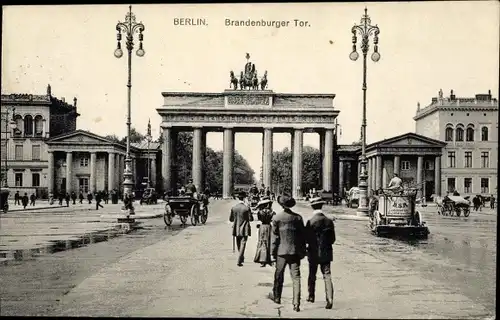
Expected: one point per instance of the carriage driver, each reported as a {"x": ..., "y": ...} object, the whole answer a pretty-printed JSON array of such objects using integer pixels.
[
  {"x": 395, "y": 183},
  {"x": 190, "y": 188}
]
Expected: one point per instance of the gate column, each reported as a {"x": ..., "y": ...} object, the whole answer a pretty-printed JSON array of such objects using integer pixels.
[
  {"x": 267, "y": 158},
  {"x": 328, "y": 161},
  {"x": 166, "y": 159},
  {"x": 197, "y": 159},
  {"x": 297, "y": 164},
  {"x": 227, "y": 182}
]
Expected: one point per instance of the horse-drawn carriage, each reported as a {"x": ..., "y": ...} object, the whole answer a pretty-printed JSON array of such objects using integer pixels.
[
  {"x": 4, "y": 195},
  {"x": 450, "y": 205},
  {"x": 396, "y": 213},
  {"x": 184, "y": 206}
]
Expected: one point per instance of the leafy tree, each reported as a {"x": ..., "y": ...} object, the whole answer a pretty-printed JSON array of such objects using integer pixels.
[
  {"x": 282, "y": 170},
  {"x": 113, "y": 137}
]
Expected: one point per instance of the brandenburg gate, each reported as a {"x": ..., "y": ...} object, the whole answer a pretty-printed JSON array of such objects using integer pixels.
[{"x": 249, "y": 108}]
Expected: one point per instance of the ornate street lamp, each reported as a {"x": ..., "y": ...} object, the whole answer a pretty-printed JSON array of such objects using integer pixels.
[
  {"x": 129, "y": 27},
  {"x": 13, "y": 125},
  {"x": 365, "y": 29}
]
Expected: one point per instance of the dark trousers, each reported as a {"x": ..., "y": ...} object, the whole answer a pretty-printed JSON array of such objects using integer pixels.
[
  {"x": 98, "y": 204},
  {"x": 327, "y": 277},
  {"x": 241, "y": 244},
  {"x": 293, "y": 262}
]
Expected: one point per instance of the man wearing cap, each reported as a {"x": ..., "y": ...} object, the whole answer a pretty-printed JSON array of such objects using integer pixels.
[
  {"x": 241, "y": 216},
  {"x": 320, "y": 238},
  {"x": 288, "y": 247},
  {"x": 190, "y": 188}
]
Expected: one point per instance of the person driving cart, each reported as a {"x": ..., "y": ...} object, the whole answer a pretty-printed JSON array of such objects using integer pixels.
[
  {"x": 190, "y": 188},
  {"x": 396, "y": 183},
  {"x": 254, "y": 190}
]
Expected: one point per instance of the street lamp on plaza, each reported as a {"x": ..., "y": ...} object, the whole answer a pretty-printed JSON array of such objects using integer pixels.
[
  {"x": 129, "y": 28},
  {"x": 364, "y": 30},
  {"x": 13, "y": 125}
]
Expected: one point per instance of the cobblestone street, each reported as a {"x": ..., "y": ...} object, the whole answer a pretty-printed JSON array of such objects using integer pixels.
[{"x": 159, "y": 271}]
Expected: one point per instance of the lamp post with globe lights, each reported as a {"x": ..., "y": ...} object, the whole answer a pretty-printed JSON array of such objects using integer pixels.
[
  {"x": 364, "y": 30},
  {"x": 129, "y": 28}
]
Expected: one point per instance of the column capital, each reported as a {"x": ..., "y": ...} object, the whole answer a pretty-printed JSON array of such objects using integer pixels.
[{"x": 165, "y": 126}]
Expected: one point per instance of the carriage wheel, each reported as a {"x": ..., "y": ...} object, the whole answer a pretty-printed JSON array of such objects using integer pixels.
[
  {"x": 204, "y": 215},
  {"x": 466, "y": 212},
  {"x": 167, "y": 216},
  {"x": 193, "y": 215},
  {"x": 183, "y": 219}
]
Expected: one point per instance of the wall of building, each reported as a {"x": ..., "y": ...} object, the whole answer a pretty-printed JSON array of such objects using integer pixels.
[{"x": 429, "y": 126}]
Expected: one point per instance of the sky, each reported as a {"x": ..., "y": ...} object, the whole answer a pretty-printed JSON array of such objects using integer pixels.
[{"x": 424, "y": 47}]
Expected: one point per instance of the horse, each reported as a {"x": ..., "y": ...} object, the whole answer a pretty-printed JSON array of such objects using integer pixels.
[
  {"x": 233, "y": 82},
  {"x": 255, "y": 82},
  {"x": 263, "y": 81}
]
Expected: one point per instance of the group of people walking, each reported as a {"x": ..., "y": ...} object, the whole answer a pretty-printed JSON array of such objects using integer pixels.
[
  {"x": 284, "y": 240},
  {"x": 24, "y": 200}
]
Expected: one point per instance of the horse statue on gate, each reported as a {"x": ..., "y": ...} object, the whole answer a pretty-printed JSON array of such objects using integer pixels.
[
  {"x": 263, "y": 81},
  {"x": 233, "y": 81},
  {"x": 255, "y": 82}
]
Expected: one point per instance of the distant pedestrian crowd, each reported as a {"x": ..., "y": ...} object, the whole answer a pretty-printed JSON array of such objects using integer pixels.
[{"x": 98, "y": 197}]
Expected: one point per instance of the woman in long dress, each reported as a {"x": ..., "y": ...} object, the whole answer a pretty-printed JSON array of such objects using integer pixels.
[{"x": 265, "y": 215}]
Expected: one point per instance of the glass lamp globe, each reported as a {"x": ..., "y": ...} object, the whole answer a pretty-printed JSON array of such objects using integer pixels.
[
  {"x": 375, "y": 56},
  {"x": 118, "y": 53},
  {"x": 140, "y": 52},
  {"x": 354, "y": 56}
]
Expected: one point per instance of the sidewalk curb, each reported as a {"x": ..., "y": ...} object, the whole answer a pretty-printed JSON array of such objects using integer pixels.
[
  {"x": 76, "y": 241},
  {"x": 33, "y": 208},
  {"x": 136, "y": 216}
]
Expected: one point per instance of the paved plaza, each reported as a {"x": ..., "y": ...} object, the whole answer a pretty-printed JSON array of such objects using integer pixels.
[{"x": 192, "y": 272}]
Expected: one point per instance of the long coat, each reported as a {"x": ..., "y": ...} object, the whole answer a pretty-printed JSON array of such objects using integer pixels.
[
  {"x": 241, "y": 216},
  {"x": 320, "y": 238},
  {"x": 288, "y": 236}
]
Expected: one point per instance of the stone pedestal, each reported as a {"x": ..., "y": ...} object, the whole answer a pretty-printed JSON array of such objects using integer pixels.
[{"x": 228, "y": 157}]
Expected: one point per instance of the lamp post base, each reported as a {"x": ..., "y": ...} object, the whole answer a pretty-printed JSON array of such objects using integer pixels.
[
  {"x": 363, "y": 192},
  {"x": 127, "y": 188}
]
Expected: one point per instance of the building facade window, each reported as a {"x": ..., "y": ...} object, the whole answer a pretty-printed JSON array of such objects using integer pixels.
[
  {"x": 28, "y": 125},
  {"x": 38, "y": 125},
  {"x": 484, "y": 134},
  {"x": 485, "y": 185},
  {"x": 470, "y": 134},
  {"x": 468, "y": 159},
  {"x": 428, "y": 165},
  {"x": 468, "y": 185},
  {"x": 3, "y": 147},
  {"x": 451, "y": 159},
  {"x": 405, "y": 165},
  {"x": 84, "y": 162},
  {"x": 19, "y": 152},
  {"x": 451, "y": 184},
  {"x": 485, "y": 159},
  {"x": 19, "y": 179},
  {"x": 35, "y": 178},
  {"x": 459, "y": 134},
  {"x": 19, "y": 125},
  {"x": 448, "y": 136},
  {"x": 35, "y": 152},
  {"x": 83, "y": 185}
]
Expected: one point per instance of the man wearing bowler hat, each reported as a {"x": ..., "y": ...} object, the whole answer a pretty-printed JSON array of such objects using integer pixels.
[
  {"x": 288, "y": 247},
  {"x": 241, "y": 216},
  {"x": 320, "y": 238}
]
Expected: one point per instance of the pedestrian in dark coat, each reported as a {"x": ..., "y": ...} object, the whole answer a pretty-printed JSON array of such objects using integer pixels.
[
  {"x": 73, "y": 197},
  {"x": 320, "y": 238},
  {"x": 81, "y": 197},
  {"x": 492, "y": 202},
  {"x": 241, "y": 216},
  {"x": 67, "y": 198},
  {"x": 32, "y": 199},
  {"x": 61, "y": 198},
  {"x": 288, "y": 248},
  {"x": 17, "y": 198},
  {"x": 89, "y": 197},
  {"x": 98, "y": 199},
  {"x": 105, "y": 197},
  {"x": 25, "y": 200}
]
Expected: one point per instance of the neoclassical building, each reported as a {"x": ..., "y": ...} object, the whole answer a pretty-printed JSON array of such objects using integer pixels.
[
  {"x": 24, "y": 157},
  {"x": 469, "y": 127}
]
